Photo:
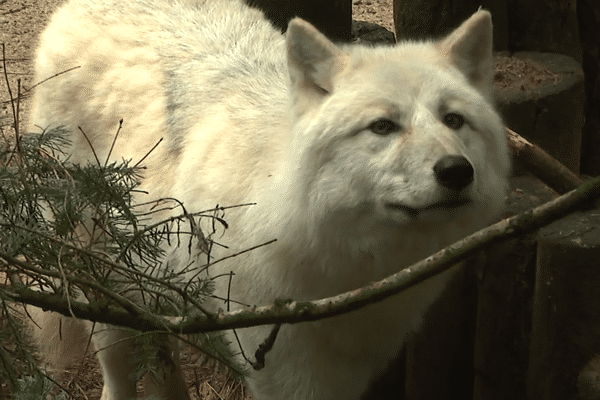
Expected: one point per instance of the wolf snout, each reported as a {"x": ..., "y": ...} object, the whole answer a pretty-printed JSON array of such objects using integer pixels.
[{"x": 453, "y": 172}]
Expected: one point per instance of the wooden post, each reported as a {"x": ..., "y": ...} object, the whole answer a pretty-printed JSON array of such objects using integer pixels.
[
  {"x": 542, "y": 96},
  {"x": 566, "y": 309},
  {"x": 422, "y": 19},
  {"x": 504, "y": 304},
  {"x": 332, "y": 17},
  {"x": 439, "y": 357}
]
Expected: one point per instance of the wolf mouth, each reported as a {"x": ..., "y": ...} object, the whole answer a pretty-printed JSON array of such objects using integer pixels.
[{"x": 447, "y": 205}]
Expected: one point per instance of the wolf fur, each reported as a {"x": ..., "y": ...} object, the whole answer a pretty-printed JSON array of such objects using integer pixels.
[{"x": 360, "y": 160}]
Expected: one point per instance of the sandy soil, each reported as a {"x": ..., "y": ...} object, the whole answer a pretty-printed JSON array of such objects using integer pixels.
[{"x": 378, "y": 12}]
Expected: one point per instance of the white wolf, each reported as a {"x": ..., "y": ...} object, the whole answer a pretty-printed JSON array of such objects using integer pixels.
[{"x": 361, "y": 160}]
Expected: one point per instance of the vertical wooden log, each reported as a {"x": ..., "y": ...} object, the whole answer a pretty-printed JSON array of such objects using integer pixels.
[
  {"x": 439, "y": 358},
  {"x": 588, "y": 12},
  {"x": 542, "y": 97},
  {"x": 437, "y": 362},
  {"x": 548, "y": 26},
  {"x": 504, "y": 321},
  {"x": 566, "y": 308},
  {"x": 332, "y": 17},
  {"x": 504, "y": 304},
  {"x": 391, "y": 384},
  {"x": 420, "y": 19}
]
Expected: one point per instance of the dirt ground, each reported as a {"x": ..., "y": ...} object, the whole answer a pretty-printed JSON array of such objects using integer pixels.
[
  {"x": 375, "y": 11},
  {"x": 21, "y": 21}
]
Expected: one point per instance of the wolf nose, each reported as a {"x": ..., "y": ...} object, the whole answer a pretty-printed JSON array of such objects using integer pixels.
[{"x": 453, "y": 172}]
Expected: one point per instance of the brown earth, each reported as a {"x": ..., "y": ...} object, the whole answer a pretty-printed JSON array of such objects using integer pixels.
[{"x": 374, "y": 11}]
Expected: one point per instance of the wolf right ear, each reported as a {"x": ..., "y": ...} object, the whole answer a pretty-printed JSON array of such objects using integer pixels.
[
  {"x": 469, "y": 48},
  {"x": 313, "y": 60}
]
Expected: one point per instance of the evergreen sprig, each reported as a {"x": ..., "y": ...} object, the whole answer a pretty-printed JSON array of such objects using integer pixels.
[{"x": 74, "y": 232}]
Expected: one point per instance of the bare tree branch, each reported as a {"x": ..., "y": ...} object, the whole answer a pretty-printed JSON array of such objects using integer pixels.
[
  {"x": 294, "y": 312},
  {"x": 548, "y": 169}
]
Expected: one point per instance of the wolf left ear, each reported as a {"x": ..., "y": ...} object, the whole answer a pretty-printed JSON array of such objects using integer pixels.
[
  {"x": 469, "y": 48},
  {"x": 313, "y": 60}
]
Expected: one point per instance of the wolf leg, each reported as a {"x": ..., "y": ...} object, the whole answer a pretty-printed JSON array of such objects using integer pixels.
[
  {"x": 115, "y": 356},
  {"x": 168, "y": 383}
]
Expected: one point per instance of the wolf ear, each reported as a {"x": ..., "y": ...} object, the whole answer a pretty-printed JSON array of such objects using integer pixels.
[
  {"x": 313, "y": 60},
  {"x": 469, "y": 48}
]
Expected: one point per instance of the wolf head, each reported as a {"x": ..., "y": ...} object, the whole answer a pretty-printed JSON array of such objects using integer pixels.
[{"x": 401, "y": 135}]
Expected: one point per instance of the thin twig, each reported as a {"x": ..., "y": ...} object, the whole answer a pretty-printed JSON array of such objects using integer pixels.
[
  {"x": 113, "y": 142},
  {"x": 115, "y": 267},
  {"x": 17, "y": 118},
  {"x": 91, "y": 146},
  {"x": 548, "y": 169},
  {"x": 12, "y": 103},
  {"x": 148, "y": 153},
  {"x": 131, "y": 307},
  {"x": 51, "y": 77}
]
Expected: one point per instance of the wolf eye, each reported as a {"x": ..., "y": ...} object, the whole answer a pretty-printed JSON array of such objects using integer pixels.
[
  {"x": 454, "y": 121},
  {"x": 384, "y": 126}
]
